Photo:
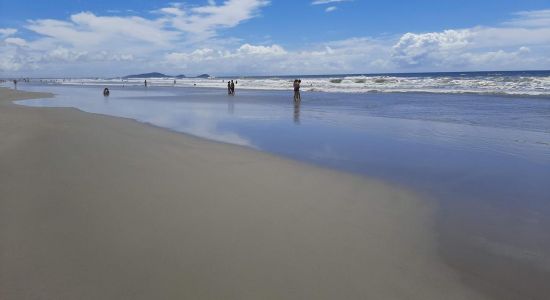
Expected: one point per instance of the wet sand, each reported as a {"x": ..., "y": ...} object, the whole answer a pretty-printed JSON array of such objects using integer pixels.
[{"x": 95, "y": 207}]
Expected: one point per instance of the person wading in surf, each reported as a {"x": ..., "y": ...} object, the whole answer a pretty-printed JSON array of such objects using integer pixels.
[{"x": 297, "y": 83}]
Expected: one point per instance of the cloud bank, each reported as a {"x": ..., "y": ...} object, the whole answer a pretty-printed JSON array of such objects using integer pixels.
[{"x": 181, "y": 39}]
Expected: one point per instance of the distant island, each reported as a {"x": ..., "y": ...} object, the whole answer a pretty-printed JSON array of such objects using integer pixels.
[
  {"x": 147, "y": 75},
  {"x": 161, "y": 75}
]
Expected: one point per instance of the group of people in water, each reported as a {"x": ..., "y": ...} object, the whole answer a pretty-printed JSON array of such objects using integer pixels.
[
  {"x": 15, "y": 81},
  {"x": 231, "y": 88},
  {"x": 296, "y": 85}
]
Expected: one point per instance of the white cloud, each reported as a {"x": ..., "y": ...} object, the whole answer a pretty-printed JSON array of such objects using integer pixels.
[
  {"x": 321, "y": 2},
  {"x": 500, "y": 57},
  {"x": 9, "y": 63},
  {"x": 419, "y": 49},
  {"x": 87, "y": 37},
  {"x": 198, "y": 55},
  {"x": 64, "y": 55},
  {"x": 473, "y": 48},
  {"x": 330, "y": 8},
  {"x": 337, "y": 56},
  {"x": 88, "y": 30},
  {"x": 5, "y": 32},
  {"x": 188, "y": 39},
  {"x": 535, "y": 18},
  {"x": 203, "y": 21},
  {"x": 246, "y": 58},
  {"x": 248, "y": 49},
  {"x": 86, "y": 43},
  {"x": 16, "y": 41}
]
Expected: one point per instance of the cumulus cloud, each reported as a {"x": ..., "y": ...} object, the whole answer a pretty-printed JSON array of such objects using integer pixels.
[
  {"x": 203, "y": 21},
  {"x": 481, "y": 47},
  {"x": 336, "y": 56},
  {"x": 85, "y": 29},
  {"x": 272, "y": 50},
  {"x": 16, "y": 41},
  {"x": 186, "y": 39},
  {"x": 244, "y": 53},
  {"x": 5, "y": 32},
  {"x": 8, "y": 62},
  {"x": 87, "y": 37},
  {"x": 420, "y": 49}
]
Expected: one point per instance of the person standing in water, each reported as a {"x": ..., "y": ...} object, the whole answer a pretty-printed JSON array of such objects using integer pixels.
[
  {"x": 145, "y": 82},
  {"x": 297, "y": 83},
  {"x": 232, "y": 88},
  {"x": 228, "y": 87},
  {"x": 294, "y": 84}
]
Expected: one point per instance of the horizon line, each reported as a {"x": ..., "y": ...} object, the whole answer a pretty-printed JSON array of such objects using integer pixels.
[{"x": 282, "y": 75}]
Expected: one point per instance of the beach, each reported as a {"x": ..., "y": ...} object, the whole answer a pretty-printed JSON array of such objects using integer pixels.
[
  {"x": 96, "y": 207},
  {"x": 214, "y": 150}
]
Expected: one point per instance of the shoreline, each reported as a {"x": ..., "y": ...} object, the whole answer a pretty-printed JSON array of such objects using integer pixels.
[
  {"x": 343, "y": 92},
  {"x": 120, "y": 208}
]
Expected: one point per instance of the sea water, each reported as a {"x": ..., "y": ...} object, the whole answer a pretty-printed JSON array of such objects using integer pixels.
[{"x": 534, "y": 83}]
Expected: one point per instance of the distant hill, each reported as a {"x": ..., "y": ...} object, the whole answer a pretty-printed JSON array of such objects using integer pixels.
[
  {"x": 147, "y": 75},
  {"x": 160, "y": 75}
]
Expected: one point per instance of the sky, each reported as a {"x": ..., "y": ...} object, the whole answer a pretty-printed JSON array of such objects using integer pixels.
[{"x": 67, "y": 38}]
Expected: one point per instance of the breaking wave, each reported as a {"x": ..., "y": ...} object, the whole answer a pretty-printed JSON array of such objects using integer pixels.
[{"x": 500, "y": 84}]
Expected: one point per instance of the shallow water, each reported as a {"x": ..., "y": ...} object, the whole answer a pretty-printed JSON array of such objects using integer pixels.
[
  {"x": 486, "y": 159},
  {"x": 500, "y": 83}
]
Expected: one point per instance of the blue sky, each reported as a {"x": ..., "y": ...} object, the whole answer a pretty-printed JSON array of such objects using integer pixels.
[{"x": 110, "y": 38}]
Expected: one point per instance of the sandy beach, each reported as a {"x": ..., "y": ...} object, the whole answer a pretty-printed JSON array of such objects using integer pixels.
[{"x": 96, "y": 207}]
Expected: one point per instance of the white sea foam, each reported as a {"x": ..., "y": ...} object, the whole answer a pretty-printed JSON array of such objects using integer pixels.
[{"x": 505, "y": 85}]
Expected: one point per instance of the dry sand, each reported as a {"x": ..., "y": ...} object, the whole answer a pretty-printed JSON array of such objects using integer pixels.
[{"x": 95, "y": 207}]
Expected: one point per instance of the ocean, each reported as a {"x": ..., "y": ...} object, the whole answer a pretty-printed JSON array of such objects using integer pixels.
[{"x": 527, "y": 83}]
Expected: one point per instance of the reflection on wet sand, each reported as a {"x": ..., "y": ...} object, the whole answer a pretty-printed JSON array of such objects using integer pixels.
[
  {"x": 297, "y": 112},
  {"x": 230, "y": 106}
]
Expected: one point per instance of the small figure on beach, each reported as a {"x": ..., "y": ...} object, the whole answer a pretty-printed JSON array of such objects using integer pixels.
[
  {"x": 228, "y": 87},
  {"x": 106, "y": 92},
  {"x": 145, "y": 83},
  {"x": 15, "y": 83},
  {"x": 174, "y": 82},
  {"x": 232, "y": 88},
  {"x": 297, "y": 96}
]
